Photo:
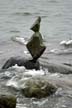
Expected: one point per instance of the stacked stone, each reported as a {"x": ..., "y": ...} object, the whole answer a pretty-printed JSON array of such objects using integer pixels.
[
  {"x": 35, "y": 45},
  {"x": 36, "y": 48}
]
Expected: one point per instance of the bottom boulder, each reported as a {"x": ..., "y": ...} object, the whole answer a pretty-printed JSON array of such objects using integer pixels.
[
  {"x": 7, "y": 101},
  {"x": 21, "y": 61},
  {"x": 38, "y": 88}
]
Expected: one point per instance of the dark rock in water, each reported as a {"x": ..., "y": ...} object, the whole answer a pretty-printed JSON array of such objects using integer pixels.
[
  {"x": 38, "y": 88},
  {"x": 36, "y": 26},
  {"x": 28, "y": 64},
  {"x": 68, "y": 64},
  {"x": 7, "y": 101},
  {"x": 36, "y": 46}
]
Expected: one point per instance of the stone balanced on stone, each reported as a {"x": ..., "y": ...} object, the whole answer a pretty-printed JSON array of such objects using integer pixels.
[{"x": 35, "y": 45}]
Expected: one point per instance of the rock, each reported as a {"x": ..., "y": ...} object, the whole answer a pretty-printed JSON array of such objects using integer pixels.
[
  {"x": 38, "y": 88},
  {"x": 20, "y": 61},
  {"x": 57, "y": 68},
  {"x": 7, "y": 101},
  {"x": 36, "y": 46},
  {"x": 36, "y": 26}
]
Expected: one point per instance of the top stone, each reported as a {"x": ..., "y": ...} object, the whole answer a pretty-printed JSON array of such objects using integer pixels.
[{"x": 36, "y": 26}]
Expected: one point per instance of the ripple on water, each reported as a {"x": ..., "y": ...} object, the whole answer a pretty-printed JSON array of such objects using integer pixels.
[
  {"x": 19, "y": 39},
  {"x": 23, "y": 13}
]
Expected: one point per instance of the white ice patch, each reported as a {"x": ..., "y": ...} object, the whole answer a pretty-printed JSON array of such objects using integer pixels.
[
  {"x": 63, "y": 42},
  {"x": 34, "y": 72},
  {"x": 7, "y": 73},
  {"x": 55, "y": 75},
  {"x": 54, "y": 50},
  {"x": 18, "y": 68},
  {"x": 20, "y": 40},
  {"x": 69, "y": 42},
  {"x": 21, "y": 105},
  {"x": 28, "y": 72},
  {"x": 12, "y": 83},
  {"x": 61, "y": 51},
  {"x": 21, "y": 75},
  {"x": 26, "y": 52},
  {"x": 40, "y": 102}
]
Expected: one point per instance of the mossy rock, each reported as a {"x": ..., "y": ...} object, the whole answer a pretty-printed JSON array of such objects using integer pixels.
[
  {"x": 38, "y": 88},
  {"x": 36, "y": 46},
  {"x": 7, "y": 101}
]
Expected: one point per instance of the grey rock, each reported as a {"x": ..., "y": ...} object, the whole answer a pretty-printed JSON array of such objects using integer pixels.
[
  {"x": 57, "y": 68},
  {"x": 20, "y": 61},
  {"x": 38, "y": 88}
]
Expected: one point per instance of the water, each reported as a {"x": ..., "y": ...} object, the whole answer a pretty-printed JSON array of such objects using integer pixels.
[{"x": 16, "y": 18}]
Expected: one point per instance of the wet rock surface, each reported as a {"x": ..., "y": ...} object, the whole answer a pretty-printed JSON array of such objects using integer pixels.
[
  {"x": 20, "y": 61},
  {"x": 7, "y": 101},
  {"x": 38, "y": 88},
  {"x": 59, "y": 68}
]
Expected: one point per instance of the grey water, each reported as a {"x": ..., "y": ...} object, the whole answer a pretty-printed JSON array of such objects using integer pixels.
[{"x": 16, "y": 18}]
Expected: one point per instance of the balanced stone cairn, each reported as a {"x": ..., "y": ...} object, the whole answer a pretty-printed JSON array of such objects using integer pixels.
[
  {"x": 36, "y": 48},
  {"x": 35, "y": 45}
]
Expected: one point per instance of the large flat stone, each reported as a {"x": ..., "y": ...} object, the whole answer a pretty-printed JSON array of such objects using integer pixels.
[
  {"x": 57, "y": 68},
  {"x": 21, "y": 61}
]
